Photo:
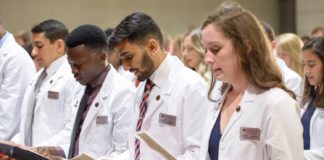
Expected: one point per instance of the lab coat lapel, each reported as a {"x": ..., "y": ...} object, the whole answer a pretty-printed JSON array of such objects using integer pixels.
[
  {"x": 214, "y": 115},
  {"x": 50, "y": 83},
  {"x": 42, "y": 92},
  {"x": 166, "y": 89},
  {"x": 100, "y": 99},
  {"x": 247, "y": 99},
  {"x": 31, "y": 93},
  {"x": 28, "y": 105},
  {"x": 154, "y": 107}
]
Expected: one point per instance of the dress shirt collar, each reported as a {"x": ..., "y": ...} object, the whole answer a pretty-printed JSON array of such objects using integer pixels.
[
  {"x": 54, "y": 66},
  {"x": 98, "y": 81},
  {"x": 160, "y": 75}
]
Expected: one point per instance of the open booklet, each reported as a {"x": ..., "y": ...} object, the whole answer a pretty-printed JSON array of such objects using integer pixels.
[
  {"x": 20, "y": 153},
  {"x": 154, "y": 145},
  {"x": 23, "y": 154}
]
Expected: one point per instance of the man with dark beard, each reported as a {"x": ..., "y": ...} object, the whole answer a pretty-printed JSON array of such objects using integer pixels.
[{"x": 171, "y": 100}]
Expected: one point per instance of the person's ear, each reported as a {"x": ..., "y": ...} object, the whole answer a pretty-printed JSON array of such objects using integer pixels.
[
  {"x": 152, "y": 46},
  {"x": 99, "y": 57},
  {"x": 60, "y": 46},
  {"x": 102, "y": 57}
]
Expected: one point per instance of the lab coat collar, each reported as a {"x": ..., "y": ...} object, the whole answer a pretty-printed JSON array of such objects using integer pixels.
[
  {"x": 55, "y": 65},
  {"x": 250, "y": 93},
  {"x": 170, "y": 66},
  {"x": 248, "y": 96},
  {"x": 160, "y": 76},
  {"x": 60, "y": 71}
]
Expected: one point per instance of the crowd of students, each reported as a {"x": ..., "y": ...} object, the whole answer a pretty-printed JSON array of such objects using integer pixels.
[{"x": 228, "y": 89}]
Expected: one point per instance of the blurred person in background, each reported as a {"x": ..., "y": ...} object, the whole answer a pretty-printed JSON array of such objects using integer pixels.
[
  {"x": 318, "y": 31},
  {"x": 193, "y": 54},
  {"x": 167, "y": 42},
  {"x": 293, "y": 80},
  {"x": 305, "y": 38},
  {"x": 176, "y": 46},
  {"x": 288, "y": 48}
]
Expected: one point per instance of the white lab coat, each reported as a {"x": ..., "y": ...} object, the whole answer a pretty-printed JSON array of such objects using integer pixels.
[
  {"x": 114, "y": 100},
  {"x": 16, "y": 70},
  {"x": 316, "y": 151},
  {"x": 274, "y": 112},
  {"x": 292, "y": 79},
  {"x": 51, "y": 115},
  {"x": 180, "y": 92}
]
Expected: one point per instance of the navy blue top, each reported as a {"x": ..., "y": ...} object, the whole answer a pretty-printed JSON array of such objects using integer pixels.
[
  {"x": 306, "y": 118},
  {"x": 214, "y": 139}
]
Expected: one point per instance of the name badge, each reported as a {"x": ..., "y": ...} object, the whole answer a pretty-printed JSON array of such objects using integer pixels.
[
  {"x": 102, "y": 119},
  {"x": 168, "y": 119},
  {"x": 53, "y": 95},
  {"x": 250, "y": 133}
]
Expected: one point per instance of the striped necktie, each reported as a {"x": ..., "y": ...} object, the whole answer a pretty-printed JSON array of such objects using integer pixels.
[{"x": 143, "y": 108}]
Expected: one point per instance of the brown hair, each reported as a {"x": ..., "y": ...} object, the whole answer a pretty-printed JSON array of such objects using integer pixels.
[
  {"x": 250, "y": 42},
  {"x": 316, "y": 45}
]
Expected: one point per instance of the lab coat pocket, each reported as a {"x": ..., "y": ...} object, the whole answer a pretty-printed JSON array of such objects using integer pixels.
[
  {"x": 54, "y": 101},
  {"x": 251, "y": 138},
  {"x": 100, "y": 131}
]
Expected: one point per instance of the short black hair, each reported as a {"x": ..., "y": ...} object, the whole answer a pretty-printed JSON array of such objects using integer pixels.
[
  {"x": 91, "y": 36},
  {"x": 53, "y": 29},
  {"x": 136, "y": 27}
]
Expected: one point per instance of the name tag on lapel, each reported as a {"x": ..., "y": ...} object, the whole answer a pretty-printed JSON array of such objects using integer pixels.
[
  {"x": 53, "y": 95},
  {"x": 250, "y": 133},
  {"x": 168, "y": 119},
  {"x": 102, "y": 119}
]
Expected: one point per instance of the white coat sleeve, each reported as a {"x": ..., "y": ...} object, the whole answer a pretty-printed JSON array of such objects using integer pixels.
[
  {"x": 314, "y": 154},
  {"x": 195, "y": 111},
  {"x": 122, "y": 119},
  {"x": 16, "y": 73},
  {"x": 283, "y": 138}
]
